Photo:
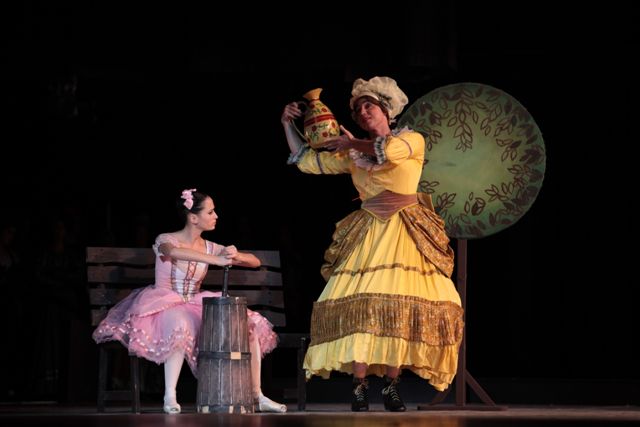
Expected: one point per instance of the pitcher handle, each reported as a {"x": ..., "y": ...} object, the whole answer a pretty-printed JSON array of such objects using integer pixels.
[{"x": 303, "y": 107}]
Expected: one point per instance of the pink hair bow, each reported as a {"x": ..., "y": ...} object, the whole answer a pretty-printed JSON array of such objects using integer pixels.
[{"x": 187, "y": 195}]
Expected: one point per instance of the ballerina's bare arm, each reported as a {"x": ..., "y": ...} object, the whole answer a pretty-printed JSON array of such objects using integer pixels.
[
  {"x": 243, "y": 259},
  {"x": 229, "y": 256},
  {"x": 186, "y": 254}
]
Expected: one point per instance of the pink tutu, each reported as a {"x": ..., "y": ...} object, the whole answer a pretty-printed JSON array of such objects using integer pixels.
[{"x": 154, "y": 322}]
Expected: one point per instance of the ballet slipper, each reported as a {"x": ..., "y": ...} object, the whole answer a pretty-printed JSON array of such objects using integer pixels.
[
  {"x": 171, "y": 406},
  {"x": 264, "y": 404}
]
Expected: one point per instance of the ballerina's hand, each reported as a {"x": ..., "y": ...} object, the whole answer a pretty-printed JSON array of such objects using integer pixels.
[
  {"x": 223, "y": 260},
  {"x": 230, "y": 251}
]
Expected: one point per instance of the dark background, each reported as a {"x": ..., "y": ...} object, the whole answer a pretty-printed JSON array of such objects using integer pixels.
[{"x": 91, "y": 90}]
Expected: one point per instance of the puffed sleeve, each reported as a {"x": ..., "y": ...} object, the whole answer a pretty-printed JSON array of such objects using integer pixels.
[
  {"x": 214, "y": 248},
  {"x": 324, "y": 162},
  {"x": 164, "y": 238},
  {"x": 397, "y": 148}
]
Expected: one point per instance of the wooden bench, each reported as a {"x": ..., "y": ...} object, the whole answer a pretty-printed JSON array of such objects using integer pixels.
[{"x": 113, "y": 272}]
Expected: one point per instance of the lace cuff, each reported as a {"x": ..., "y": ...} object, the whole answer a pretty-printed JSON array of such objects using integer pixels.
[
  {"x": 295, "y": 158},
  {"x": 378, "y": 147}
]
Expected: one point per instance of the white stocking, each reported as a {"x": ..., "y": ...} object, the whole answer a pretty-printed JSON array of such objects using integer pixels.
[
  {"x": 264, "y": 404},
  {"x": 171, "y": 373},
  {"x": 256, "y": 363}
]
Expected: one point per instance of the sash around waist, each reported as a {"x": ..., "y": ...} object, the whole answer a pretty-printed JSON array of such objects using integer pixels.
[{"x": 387, "y": 203}]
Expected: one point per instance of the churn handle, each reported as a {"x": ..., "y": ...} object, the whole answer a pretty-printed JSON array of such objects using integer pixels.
[{"x": 225, "y": 281}]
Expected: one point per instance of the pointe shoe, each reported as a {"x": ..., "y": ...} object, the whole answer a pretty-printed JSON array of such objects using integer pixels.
[
  {"x": 171, "y": 406},
  {"x": 264, "y": 404}
]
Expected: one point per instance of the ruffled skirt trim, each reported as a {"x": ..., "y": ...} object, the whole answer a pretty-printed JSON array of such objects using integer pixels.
[
  {"x": 437, "y": 364},
  {"x": 155, "y": 322}
]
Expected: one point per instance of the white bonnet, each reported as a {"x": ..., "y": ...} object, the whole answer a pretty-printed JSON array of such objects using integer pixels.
[{"x": 385, "y": 90}]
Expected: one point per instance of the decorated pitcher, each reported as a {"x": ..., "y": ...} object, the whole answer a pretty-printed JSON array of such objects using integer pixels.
[{"x": 319, "y": 122}]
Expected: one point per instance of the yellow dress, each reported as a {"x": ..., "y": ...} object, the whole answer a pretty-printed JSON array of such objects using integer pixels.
[{"x": 388, "y": 298}]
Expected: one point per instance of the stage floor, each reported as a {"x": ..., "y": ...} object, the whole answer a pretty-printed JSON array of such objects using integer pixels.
[{"x": 321, "y": 415}]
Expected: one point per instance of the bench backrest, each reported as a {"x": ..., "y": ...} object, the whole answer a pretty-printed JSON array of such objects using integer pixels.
[{"x": 113, "y": 272}]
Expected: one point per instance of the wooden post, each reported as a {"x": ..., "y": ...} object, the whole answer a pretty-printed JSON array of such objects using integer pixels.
[{"x": 463, "y": 377}]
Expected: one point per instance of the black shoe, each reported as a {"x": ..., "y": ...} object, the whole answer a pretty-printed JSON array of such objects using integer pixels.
[
  {"x": 360, "y": 395},
  {"x": 392, "y": 400}
]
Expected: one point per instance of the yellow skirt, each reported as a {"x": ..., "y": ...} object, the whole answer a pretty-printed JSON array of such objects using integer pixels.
[{"x": 387, "y": 305}]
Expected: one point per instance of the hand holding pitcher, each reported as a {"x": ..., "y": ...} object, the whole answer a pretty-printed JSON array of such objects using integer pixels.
[{"x": 319, "y": 122}]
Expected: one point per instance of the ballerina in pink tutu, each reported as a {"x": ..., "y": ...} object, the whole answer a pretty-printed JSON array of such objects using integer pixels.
[{"x": 161, "y": 322}]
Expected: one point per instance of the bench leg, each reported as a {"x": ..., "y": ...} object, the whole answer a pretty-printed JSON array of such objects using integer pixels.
[
  {"x": 102, "y": 377},
  {"x": 135, "y": 384},
  {"x": 302, "y": 387}
]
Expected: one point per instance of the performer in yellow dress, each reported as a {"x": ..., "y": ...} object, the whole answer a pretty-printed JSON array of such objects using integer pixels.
[{"x": 389, "y": 303}]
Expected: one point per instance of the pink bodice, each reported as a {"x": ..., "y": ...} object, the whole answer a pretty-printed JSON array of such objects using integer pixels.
[{"x": 182, "y": 277}]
